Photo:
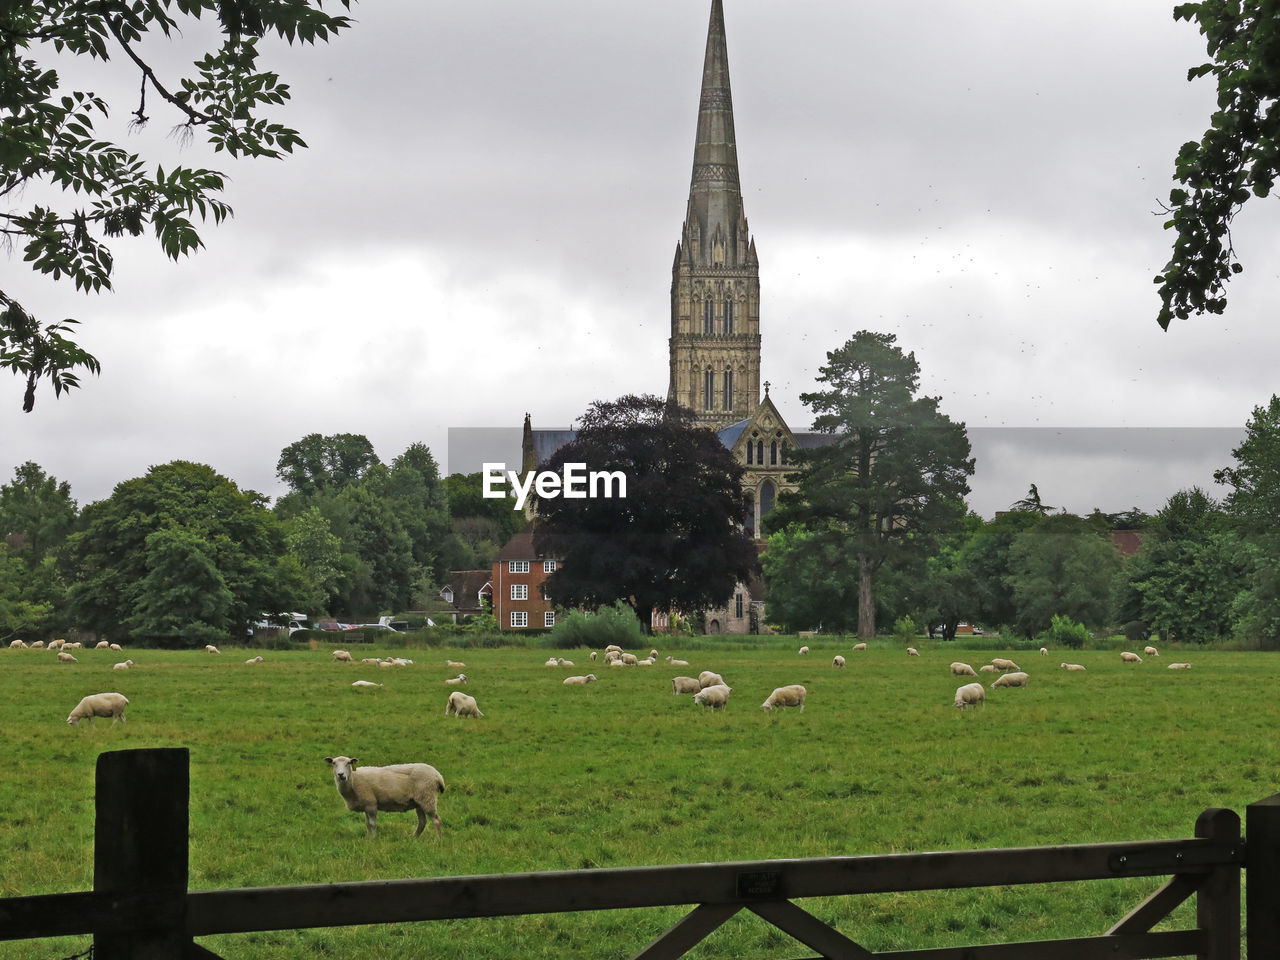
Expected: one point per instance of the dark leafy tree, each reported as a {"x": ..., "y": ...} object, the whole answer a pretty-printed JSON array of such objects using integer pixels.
[
  {"x": 135, "y": 550},
  {"x": 1061, "y": 566},
  {"x": 1032, "y": 502},
  {"x": 987, "y": 558},
  {"x": 50, "y": 146},
  {"x": 1237, "y": 157},
  {"x": 809, "y": 583},
  {"x": 674, "y": 542},
  {"x": 37, "y": 512},
  {"x": 945, "y": 595},
  {"x": 317, "y": 463},
  {"x": 894, "y": 476}
]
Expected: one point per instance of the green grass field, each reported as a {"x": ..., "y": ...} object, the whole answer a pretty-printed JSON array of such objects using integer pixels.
[{"x": 621, "y": 773}]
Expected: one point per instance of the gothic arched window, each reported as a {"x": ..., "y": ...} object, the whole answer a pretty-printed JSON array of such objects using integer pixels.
[
  {"x": 728, "y": 316},
  {"x": 751, "y": 453},
  {"x": 773, "y": 453},
  {"x": 708, "y": 320},
  {"x": 760, "y": 452},
  {"x": 708, "y": 390},
  {"x": 766, "y": 498},
  {"x": 728, "y": 388}
]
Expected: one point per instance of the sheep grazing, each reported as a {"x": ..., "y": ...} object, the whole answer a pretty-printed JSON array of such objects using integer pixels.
[
  {"x": 612, "y": 648},
  {"x": 1011, "y": 680},
  {"x": 859, "y": 646},
  {"x": 789, "y": 696},
  {"x": 56, "y": 644},
  {"x": 715, "y": 696},
  {"x": 1179, "y": 666},
  {"x": 454, "y": 663},
  {"x": 630, "y": 659},
  {"x": 593, "y": 655},
  {"x": 343, "y": 656},
  {"x": 1001, "y": 664},
  {"x": 1071, "y": 666},
  {"x": 102, "y": 645},
  {"x": 579, "y": 681},
  {"x": 364, "y": 683},
  {"x": 1044, "y": 651},
  {"x": 1151, "y": 651},
  {"x": 99, "y": 705},
  {"x": 804, "y": 650},
  {"x": 37, "y": 644},
  {"x": 114, "y": 647},
  {"x": 394, "y": 789},
  {"x": 685, "y": 685},
  {"x": 1128, "y": 657},
  {"x": 988, "y": 668},
  {"x": 970, "y": 695},
  {"x": 210, "y": 648},
  {"x": 837, "y": 661},
  {"x": 257, "y": 659},
  {"x": 461, "y": 705},
  {"x": 123, "y": 665},
  {"x": 912, "y": 652},
  {"x": 708, "y": 679},
  {"x": 17, "y": 645},
  {"x": 66, "y": 658},
  {"x": 460, "y": 678},
  {"x": 959, "y": 669}
]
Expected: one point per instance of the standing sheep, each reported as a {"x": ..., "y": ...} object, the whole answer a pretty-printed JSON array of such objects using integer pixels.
[
  {"x": 1128, "y": 657},
  {"x": 102, "y": 645},
  {"x": 462, "y": 705},
  {"x": 970, "y": 695},
  {"x": 837, "y": 661},
  {"x": 66, "y": 658},
  {"x": 1011, "y": 680},
  {"x": 804, "y": 650},
  {"x": 210, "y": 648},
  {"x": 859, "y": 646},
  {"x": 708, "y": 679},
  {"x": 1044, "y": 651},
  {"x": 715, "y": 696},
  {"x": 685, "y": 685},
  {"x": 1001, "y": 664},
  {"x": 912, "y": 652},
  {"x": 394, "y": 789},
  {"x": 99, "y": 705},
  {"x": 789, "y": 696},
  {"x": 343, "y": 655},
  {"x": 959, "y": 669},
  {"x": 17, "y": 645},
  {"x": 1151, "y": 651}
]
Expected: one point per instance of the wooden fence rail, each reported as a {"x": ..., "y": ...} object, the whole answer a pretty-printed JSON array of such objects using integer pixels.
[{"x": 140, "y": 908}]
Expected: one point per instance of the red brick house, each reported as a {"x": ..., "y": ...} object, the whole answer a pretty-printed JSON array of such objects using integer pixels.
[{"x": 518, "y": 575}]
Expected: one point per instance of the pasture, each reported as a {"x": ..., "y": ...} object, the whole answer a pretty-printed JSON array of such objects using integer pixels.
[{"x": 621, "y": 772}]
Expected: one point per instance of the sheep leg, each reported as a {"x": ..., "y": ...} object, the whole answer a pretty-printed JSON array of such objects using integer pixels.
[
  {"x": 422, "y": 821},
  {"x": 371, "y": 822}
]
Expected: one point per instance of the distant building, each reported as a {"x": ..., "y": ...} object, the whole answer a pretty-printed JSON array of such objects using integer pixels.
[
  {"x": 517, "y": 578},
  {"x": 467, "y": 592}
]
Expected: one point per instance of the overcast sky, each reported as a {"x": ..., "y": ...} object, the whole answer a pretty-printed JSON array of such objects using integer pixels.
[{"x": 485, "y": 220}]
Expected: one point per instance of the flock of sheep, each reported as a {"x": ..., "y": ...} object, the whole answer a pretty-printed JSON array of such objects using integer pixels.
[{"x": 416, "y": 786}]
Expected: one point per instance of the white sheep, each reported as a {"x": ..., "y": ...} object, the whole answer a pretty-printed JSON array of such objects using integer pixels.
[
  {"x": 579, "y": 681},
  {"x": 959, "y": 669},
  {"x": 988, "y": 668},
  {"x": 592, "y": 655},
  {"x": 17, "y": 645},
  {"x": 970, "y": 695},
  {"x": 114, "y": 647},
  {"x": 677, "y": 663},
  {"x": 342, "y": 655},
  {"x": 708, "y": 679},
  {"x": 1002, "y": 664},
  {"x": 123, "y": 665},
  {"x": 99, "y": 705},
  {"x": 394, "y": 789},
  {"x": 460, "y": 678},
  {"x": 1151, "y": 651},
  {"x": 630, "y": 659},
  {"x": 210, "y": 648},
  {"x": 837, "y": 661},
  {"x": 66, "y": 658},
  {"x": 685, "y": 685},
  {"x": 102, "y": 645},
  {"x": 454, "y": 663},
  {"x": 1071, "y": 666},
  {"x": 791, "y": 695},
  {"x": 859, "y": 646},
  {"x": 72, "y": 646},
  {"x": 912, "y": 652},
  {"x": 715, "y": 696},
  {"x": 385, "y": 663},
  {"x": 552, "y": 662},
  {"x": 1128, "y": 657},
  {"x": 364, "y": 683},
  {"x": 647, "y": 662},
  {"x": 257, "y": 659},
  {"x": 1017, "y": 679},
  {"x": 615, "y": 662},
  {"x": 1044, "y": 651},
  {"x": 56, "y": 644},
  {"x": 612, "y": 648},
  {"x": 37, "y": 644},
  {"x": 461, "y": 705},
  {"x": 567, "y": 663},
  {"x": 804, "y": 650},
  {"x": 1179, "y": 666}
]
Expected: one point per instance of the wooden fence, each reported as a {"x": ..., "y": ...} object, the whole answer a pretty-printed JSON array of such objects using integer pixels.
[{"x": 140, "y": 908}]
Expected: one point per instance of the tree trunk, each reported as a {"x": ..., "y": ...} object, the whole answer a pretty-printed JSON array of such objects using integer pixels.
[{"x": 866, "y": 606}]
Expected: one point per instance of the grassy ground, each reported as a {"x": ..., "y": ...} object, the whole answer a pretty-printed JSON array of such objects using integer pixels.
[{"x": 621, "y": 772}]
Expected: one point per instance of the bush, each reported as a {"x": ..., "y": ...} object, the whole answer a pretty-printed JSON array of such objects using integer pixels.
[
  {"x": 905, "y": 629},
  {"x": 1064, "y": 632},
  {"x": 580, "y": 628}
]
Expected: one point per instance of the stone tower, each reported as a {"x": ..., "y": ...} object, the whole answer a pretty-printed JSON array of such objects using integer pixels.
[{"x": 715, "y": 280}]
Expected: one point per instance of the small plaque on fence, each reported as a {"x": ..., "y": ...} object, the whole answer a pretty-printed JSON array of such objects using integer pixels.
[{"x": 763, "y": 883}]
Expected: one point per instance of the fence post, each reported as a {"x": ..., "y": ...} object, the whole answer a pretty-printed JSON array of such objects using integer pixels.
[
  {"x": 1218, "y": 899},
  {"x": 140, "y": 853},
  {"x": 1262, "y": 866}
]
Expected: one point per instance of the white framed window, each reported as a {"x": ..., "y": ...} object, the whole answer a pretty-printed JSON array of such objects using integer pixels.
[
  {"x": 519, "y": 618},
  {"x": 517, "y": 566},
  {"x": 548, "y": 566},
  {"x": 519, "y": 591},
  {"x": 549, "y": 618}
]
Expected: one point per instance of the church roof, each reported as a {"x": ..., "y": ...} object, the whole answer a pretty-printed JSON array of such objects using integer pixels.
[{"x": 730, "y": 434}]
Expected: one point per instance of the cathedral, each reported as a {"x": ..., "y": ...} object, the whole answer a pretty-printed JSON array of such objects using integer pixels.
[{"x": 714, "y": 348}]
